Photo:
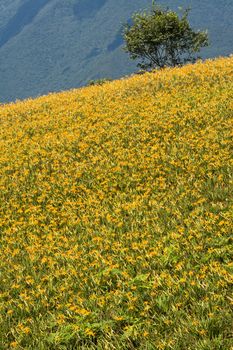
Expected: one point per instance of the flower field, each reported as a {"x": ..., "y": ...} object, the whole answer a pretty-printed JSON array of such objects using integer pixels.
[{"x": 116, "y": 214}]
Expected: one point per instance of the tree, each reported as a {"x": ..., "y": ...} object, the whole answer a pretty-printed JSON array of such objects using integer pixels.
[{"x": 161, "y": 38}]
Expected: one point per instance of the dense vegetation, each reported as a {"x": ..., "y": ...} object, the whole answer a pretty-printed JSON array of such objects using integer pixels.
[
  {"x": 50, "y": 45},
  {"x": 163, "y": 38},
  {"x": 116, "y": 214}
]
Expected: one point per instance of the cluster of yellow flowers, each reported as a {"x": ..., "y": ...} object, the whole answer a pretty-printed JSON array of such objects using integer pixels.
[{"x": 116, "y": 214}]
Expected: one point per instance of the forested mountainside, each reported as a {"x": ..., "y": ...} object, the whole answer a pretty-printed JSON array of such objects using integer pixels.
[{"x": 51, "y": 45}]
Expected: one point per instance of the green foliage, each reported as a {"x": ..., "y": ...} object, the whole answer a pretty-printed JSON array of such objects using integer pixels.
[
  {"x": 162, "y": 38},
  {"x": 116, "y": 215},
  {"x": 98, "y": 81}
]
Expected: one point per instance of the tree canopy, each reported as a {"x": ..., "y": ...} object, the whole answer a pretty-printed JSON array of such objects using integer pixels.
[{"x": 162, "y": 38}]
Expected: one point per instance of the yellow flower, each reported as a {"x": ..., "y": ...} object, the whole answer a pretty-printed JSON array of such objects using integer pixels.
[
  {"x": 89, "y": 332},
  {"x": 116, "y": 198},
  {"x": 14, "y": 344}
]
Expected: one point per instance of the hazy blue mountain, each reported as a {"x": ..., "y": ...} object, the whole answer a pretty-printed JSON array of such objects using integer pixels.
[{"x": 51, "y": 45}]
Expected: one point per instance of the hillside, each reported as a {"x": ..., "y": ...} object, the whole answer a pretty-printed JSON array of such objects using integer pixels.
[
  {"x": 116, "y": 214},
  {"x": 51, "y": 45}
]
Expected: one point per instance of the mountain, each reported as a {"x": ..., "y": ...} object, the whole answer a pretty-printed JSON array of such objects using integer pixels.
[{"x": 52, "y": 45}]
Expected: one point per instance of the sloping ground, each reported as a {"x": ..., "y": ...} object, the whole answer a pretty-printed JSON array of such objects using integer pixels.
[
  {"x": 23, "y": 17},
  {"x": 116, "y": 214}
]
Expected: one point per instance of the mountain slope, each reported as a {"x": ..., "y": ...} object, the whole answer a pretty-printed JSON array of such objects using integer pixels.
[
  {"x": 49, "y": 45},
  {"x": 116, "y": 214}
]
